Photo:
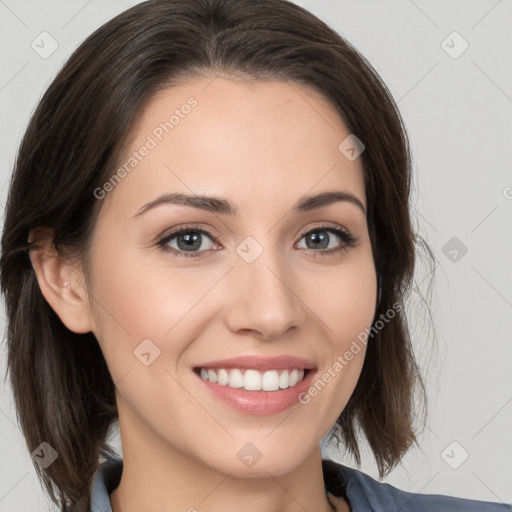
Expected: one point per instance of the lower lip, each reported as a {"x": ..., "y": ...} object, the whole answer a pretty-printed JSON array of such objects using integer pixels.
[{"x": 260, "y": 402}]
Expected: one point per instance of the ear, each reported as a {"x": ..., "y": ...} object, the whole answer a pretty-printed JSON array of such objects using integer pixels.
[{"x": 62, "y": 283}]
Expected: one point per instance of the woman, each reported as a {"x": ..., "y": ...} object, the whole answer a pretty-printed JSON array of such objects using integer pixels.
[{"x": 145, "y": 283}]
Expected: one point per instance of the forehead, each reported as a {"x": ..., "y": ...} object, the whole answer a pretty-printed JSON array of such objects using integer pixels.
[{"x": 243, "y": 140}]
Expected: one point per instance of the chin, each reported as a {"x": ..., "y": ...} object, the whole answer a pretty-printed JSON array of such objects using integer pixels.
[{"x": 258, "y": 459}]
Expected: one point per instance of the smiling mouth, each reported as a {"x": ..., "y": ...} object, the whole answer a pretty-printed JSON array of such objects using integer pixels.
[{"x": 253, "y": 380}]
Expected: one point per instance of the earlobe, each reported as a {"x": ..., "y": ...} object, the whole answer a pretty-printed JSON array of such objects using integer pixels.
[{"x": 61, "y": 284}]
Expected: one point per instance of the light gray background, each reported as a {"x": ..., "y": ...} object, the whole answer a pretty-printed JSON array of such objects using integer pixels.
[{"x": 459, "y": 115}]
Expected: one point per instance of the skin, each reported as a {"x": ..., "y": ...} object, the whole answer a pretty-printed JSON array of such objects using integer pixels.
[{"x": 262, "y": 146}]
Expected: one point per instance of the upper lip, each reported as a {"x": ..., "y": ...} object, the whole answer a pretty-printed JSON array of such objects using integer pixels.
[{"x": 261, "y": 363}]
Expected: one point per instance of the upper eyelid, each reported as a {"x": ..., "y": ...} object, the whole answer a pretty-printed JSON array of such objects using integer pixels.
[{"x": 174, "y": 232}]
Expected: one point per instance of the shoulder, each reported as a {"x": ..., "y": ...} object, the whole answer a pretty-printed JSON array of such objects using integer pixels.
[{"x": 366, "y": 494}]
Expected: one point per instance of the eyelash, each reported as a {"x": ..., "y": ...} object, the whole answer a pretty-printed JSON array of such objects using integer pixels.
[{"x": 348, "y": 240}]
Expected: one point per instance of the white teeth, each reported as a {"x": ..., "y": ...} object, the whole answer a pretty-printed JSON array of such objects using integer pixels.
[
  {"x": 236, "y": 379},
  {"x": 284, "y": 380},
  {"x": 270, "y": 381},
  {"x": 222, "y": 377},
  {"x": 253, "y": 380}
]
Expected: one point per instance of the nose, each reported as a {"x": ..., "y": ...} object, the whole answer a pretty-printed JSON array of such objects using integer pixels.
[{"x": 264, "y": 297}]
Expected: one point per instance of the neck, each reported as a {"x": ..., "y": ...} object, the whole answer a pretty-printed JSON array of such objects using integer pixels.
[{"x": 158, "y": 478}]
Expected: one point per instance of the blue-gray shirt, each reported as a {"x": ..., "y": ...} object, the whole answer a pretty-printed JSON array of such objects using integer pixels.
[{"x": 363, "y": 493}]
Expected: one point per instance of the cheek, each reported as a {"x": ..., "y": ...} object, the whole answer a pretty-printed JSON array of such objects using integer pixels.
[
  {"x": 344, "y": 301},
  {"x": 134, "y": 301},
  {"x": 350, "y": 310}
]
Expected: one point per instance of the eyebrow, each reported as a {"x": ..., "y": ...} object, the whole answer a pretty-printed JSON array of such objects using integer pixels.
[{"x": 223, "y": 206}]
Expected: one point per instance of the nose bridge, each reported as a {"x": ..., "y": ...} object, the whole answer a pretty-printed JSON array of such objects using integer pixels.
[{"x": 264, "y": 299}]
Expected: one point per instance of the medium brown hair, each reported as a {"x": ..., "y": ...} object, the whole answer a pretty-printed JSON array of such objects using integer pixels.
[{"x": 64, "y": 394}]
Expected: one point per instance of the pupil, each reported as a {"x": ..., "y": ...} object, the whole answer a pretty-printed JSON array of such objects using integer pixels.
[
  {"x": 190, "y": 240},
  {"x": 319, "y": 238}
]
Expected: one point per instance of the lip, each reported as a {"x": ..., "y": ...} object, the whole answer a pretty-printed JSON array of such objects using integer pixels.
[
  {"x": 260, "y": 403},
  {"x": 261, "y": 363}
]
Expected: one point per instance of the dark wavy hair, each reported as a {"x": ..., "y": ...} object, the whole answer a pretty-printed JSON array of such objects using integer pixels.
[{"x": 64, "y": 394}]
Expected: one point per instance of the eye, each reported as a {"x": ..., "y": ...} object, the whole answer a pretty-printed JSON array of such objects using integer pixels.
[
  {"x": 188, "y": 241},
  {"x": 319, "y": 239}
]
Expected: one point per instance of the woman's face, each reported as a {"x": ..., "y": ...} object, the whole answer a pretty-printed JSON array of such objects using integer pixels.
[{"x": 250, "y": 279}]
